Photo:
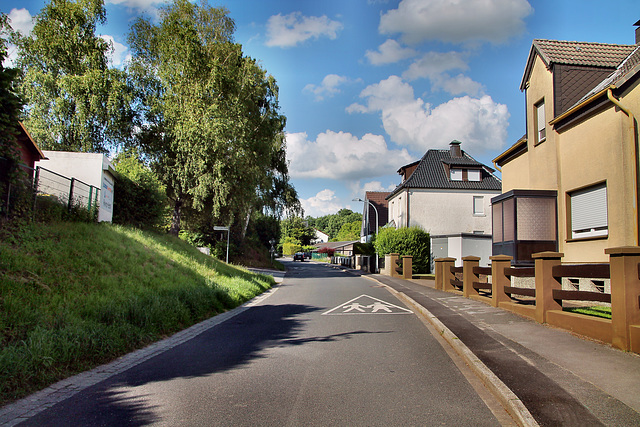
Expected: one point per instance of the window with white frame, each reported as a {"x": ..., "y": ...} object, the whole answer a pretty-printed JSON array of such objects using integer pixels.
[
  {"x": 478, "y": 205},
  {"x": 589, "y": 212},
  {"x": 474, "y": 175},
  {"x": 456, "y": 174},
  {"x": 541, "y": 125}
]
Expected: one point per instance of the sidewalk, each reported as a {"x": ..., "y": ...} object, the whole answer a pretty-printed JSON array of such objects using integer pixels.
[{"x": 560, "y": 378}]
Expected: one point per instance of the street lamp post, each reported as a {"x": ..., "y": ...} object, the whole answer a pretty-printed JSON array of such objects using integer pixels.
[{"x": 377, "y": 222}]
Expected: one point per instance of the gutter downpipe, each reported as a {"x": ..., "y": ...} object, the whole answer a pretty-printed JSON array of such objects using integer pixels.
[{"x": 632, "y": 134}]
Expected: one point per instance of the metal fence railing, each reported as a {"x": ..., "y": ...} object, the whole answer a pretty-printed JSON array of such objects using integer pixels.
[{"x": 34, "y": 188}]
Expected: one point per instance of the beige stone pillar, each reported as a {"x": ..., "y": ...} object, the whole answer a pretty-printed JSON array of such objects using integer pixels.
[
  {"x": 625, "y": 295},
  {"x": 468, "y": 277},
  {"x": 407, "y": 267},
  {"x": 546, "y": 283},
  {"x": 447, "y": 275},
  {"x": 498, "y": 279}
]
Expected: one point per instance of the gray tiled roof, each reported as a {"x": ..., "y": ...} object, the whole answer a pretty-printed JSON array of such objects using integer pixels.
[{"x": 431, "y": 173}]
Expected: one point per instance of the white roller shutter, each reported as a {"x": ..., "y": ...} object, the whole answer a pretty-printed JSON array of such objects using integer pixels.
[{"x": 589, "y": 212}]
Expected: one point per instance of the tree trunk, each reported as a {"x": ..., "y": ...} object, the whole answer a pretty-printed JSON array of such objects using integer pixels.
[
  {"x": 246, "y": 224},
  {"x": 175, "y": 220}
]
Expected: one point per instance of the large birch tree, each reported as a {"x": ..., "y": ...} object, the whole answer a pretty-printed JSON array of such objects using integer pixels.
[{"x": 212, "y": 126}]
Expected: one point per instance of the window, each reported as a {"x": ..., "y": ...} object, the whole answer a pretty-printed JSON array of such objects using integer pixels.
[
  {"x": 541, "y": 125},
  {"x": 456, "y": 174},
  {"x": 478, "y": 205},
  {"x": 474, "y": 175},
  {"x": 588, "y": 209}
]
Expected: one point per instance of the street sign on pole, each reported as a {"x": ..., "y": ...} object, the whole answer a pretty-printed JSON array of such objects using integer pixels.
[{"x": 221, "y": 228}]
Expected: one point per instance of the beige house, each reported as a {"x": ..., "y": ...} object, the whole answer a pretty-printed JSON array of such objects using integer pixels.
[{"x": 571, "y": 183}]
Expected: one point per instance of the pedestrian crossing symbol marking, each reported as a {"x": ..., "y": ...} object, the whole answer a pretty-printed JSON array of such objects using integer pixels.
[{"x": 365, "y": 304}]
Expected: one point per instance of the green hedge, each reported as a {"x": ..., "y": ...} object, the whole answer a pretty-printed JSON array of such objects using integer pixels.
[{"x": 412, "y": 241}]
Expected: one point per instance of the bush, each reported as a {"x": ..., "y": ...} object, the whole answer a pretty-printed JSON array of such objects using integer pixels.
[
  {"x": 412, "y": 241},
  {"x": 290, "y": 248}
]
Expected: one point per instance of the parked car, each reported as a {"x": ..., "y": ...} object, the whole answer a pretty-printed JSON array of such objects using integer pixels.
[
  {"x": 299, "y": 256},
  {"x": 307, "y": 255}
]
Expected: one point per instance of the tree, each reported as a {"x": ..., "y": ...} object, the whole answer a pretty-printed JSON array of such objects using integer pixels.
[
  {"x": 349, "y": 231},
  {"x": 139, "y": 196},
  {"x": 10, "y": 106},
  {"x": 295, "y": 230},
  {"x": 212, "y": 126},
  {"x": 332, "y": 224},
  {"x": 74, "y": 101}
]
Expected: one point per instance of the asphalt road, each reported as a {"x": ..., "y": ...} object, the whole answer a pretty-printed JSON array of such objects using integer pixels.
[{"x": 326, "y": 348}]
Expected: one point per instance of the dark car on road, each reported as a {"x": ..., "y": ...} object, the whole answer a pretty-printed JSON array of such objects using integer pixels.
[{"x": 299, "y": 256}]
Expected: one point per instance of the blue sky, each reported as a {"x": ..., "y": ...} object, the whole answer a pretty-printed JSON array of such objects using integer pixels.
[{"x": 370, "y": 85}]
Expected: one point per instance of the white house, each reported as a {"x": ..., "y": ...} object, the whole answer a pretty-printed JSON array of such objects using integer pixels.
[
  {"x": 93, "y": 169},
  {"x": 448, "y": 194},
  {"x": 320, "y": 237}
]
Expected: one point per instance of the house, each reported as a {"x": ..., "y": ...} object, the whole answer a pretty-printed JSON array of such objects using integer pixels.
[
  {"x": 91, "y": 169},
  {"x": 447, "y": 193},
  {"x": 320, "y": 237},
  {"x": 343, "y": 248},
  {"x": 375, "y": 214},
  {"x": 571, "y": 182},
  {"x": 29, "y": 150}
]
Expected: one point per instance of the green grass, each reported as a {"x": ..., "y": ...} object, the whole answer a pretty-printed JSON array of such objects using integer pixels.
[
  {"x": 76, "y": 295},
  {"x": 598, "y": 311}
]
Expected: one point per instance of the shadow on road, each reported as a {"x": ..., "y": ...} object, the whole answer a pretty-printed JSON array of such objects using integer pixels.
[{"x": 228, "y": 346}]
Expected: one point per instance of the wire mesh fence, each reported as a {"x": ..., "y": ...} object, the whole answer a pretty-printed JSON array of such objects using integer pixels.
[{"x": 36, "y": 191}]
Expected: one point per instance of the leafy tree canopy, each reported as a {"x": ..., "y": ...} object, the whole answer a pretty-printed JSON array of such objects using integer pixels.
[
  {"x": 74, "y": 101},
  {"x": 212, "y": 125},
  {"x": 332, "y": 224}
]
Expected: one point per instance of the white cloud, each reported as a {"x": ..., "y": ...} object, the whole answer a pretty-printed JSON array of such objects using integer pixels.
[
  {"x": 342, "y": 156},
  {"x": 389, "y": 52},
  {"x": 137, "y": 4},
  {"x": 329, "y": 86},
  {"x": 480, "y": 123},
  {"x": 295, "y": 28},
  {"x": 456, "y": 21},
  {"x": 118, "y": 55},
  {"x": 433, "y": 64},
  {"x": 458, "y": 85},
  {"x": 323, "y": 203},
  {"x": 21, "y": 21}
]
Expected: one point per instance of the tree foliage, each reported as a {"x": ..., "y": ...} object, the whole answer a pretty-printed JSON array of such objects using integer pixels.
[
  {"x": 349, "y": 231},
  {"x": 139, "y": 197},
  {"x": 10, "y": 106},
  {"x": 412, "y": 241},
  {"x": 295, "y": 230},
  {"x": 75, "y": 102},
  {"x": 332, "y": 224},
  {"x": 212, "y": 125}
]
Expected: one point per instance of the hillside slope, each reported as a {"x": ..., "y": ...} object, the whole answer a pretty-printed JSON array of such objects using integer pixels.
[{"x": 75, "y": 295}]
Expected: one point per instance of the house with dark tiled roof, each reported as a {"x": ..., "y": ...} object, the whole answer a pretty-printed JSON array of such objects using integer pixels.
[
  {"x": 447, "y": 193},
  {"x": 571, "y": 182}
]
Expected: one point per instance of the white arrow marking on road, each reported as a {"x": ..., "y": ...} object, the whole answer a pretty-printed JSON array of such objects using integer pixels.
[{"x": 365, "y": 304}]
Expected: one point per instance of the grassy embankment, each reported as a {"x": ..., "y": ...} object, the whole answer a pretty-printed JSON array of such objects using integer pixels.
[{"x": 75, "y": 295}]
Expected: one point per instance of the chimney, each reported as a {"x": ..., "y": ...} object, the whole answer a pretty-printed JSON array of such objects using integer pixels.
[
  {"x": 454, "y": 149},
  {"x": 637, "y": 24}
]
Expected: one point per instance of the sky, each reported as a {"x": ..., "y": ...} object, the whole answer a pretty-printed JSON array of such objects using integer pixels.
[{"x": 369, "y": 86}]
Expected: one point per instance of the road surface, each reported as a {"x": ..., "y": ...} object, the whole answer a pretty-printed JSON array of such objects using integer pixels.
[{"x": 324, "y": 348}]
